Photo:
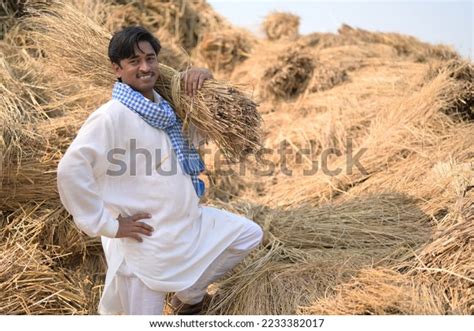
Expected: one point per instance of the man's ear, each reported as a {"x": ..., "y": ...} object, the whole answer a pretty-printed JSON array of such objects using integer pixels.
[{"x": 117, "y": 69}]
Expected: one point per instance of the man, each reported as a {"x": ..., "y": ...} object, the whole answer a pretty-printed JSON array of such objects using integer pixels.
[{"x": 131, "y": 177}]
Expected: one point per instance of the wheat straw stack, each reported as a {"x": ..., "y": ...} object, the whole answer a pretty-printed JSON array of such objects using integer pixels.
[
  {"x": 269, "y": 275},
  {"x": 280, "y": 25},
  {"x": 380, "y": 291},
  {"x": 184, "y": 21},
  {"x": 326, "y": 77},
  {"x": 437, "y": 279},
  {"x": 221, "y": 110},
  {"x": 223, "y": 50},
  {"x": 435, "y": 174},
  {"x": 51, "y": 227},
  {"x": 369, "y": 222},
  {"x": 289, "y": 75},
  {"x": 392, "y": 137},
  {"x": 47, "y": 265},
  {"x": 448, "y": 259},
  {"x": 404, "y": 45},
  {"x": 32, "y": 176},
  {"x": 20, "y": 101},
  {"x": 463, "y": 73},
  {"x": 10, "y": 10},
  {"x": 333, "y": 64},
  {"x": 309, "y": 251},
  {"x": 401, "y": 45},
  {"x": 30, "y": 286},
  {"x": 323, "y": 40}
]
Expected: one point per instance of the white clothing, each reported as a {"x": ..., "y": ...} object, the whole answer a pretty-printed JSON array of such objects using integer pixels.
[
  {"x": 135, "y": 298},
  {"x": 226, "y": 261},
  {"x": 187, "y": 237}
]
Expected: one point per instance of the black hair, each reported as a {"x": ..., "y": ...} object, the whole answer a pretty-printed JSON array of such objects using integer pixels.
[{"x": 122, "y": 45}]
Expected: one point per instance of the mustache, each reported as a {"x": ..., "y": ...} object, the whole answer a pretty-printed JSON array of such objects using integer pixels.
[{"x": 145, "y": 73}]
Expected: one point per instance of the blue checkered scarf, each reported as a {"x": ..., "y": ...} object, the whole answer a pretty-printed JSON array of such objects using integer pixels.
[{"x": 162, "y": 116}]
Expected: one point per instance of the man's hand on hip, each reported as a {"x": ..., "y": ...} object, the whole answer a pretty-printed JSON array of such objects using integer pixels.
[{"x": 129, "y": 227}]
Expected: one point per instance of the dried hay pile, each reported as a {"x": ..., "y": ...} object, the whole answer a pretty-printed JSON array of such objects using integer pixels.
[
  {"x": 220, "y": 110},
  {"x": 184, "y": 21},
  {"x": 48, "y": 266},
  {"x": 423, "y": 150},
  {"x": 39, "y": 135},
  {"x": 223, "y": 50},
  {"x": 290, "y": 74},
  {"x": 30, "y": 286},
  {"x": 10, "y": 10},
  {"x": 404, "y": 45},
  {"x": 32, "y": 177},
  {"x": 381, "y": 291},
  {"x": 308, "y": 251},
  {"x": 393, "y": 136},
  {"x": 281, "y": 25},
  {"x": 325, "y": 78},
  {"x": 436, "y": 280},
  {"x": 401, "y": 45},
  {"x": 463, "y": 73},
  {"x": 323, "y": 40},
  {"x": 395, "y": 240},
  {"x": 447, "y": 259}
]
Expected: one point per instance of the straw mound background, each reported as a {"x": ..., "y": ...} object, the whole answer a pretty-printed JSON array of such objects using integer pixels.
[
  {"x": 280, "y": 25},
  {"x": 393, "y": 234}
]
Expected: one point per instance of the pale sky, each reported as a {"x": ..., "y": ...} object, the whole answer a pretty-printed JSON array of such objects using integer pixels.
[{"x": 447, "y": 22}]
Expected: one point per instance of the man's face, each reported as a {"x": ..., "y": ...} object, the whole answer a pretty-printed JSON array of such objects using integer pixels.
[{"x": 141, "y": 70}]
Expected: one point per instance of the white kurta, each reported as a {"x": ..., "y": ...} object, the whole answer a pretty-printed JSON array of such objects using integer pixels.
[{"x": 187, "y": 237}]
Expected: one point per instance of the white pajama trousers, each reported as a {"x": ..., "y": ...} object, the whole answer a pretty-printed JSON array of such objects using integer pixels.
[{"x": 137, "y": 299}]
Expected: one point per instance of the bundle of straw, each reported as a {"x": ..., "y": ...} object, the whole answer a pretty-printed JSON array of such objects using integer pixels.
[
  {"x": 368, "y": 222},
  {"x": 290, "y": 74},
  {"x": 393, "y": 136},
  {"x": 309, "y": 251},
  {"x": 9, "y": 11},
  {"x": 436, "y": 280},
  {"x": 119, "y": 16},
  {"x": 281, "y": 25},
  {"x": 220, "y": 110},
  {"x": 29, "y": 285},
  {"x": 32, "y": 175},
  {"x": 322, "y": 40},
  {"x": 185, "y": 21},
  {"x": 47, "y": 265},
  {"x": 50, "y": 227},
  {"x": 463, "y": 72},
  {"x": 326, "y": 77},
  {"x": 448, "y": 259},
  {"x": 404, "y": 45},
  {"x": 380, "y": 291},
  {"x": 268, "y": 283},
  {"x": 223, "y": 50}
]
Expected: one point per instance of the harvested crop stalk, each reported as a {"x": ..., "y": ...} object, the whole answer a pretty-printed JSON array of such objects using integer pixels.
[
  {"x": 220, "y": 110},
  {"x": 281, "y": 25}
]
